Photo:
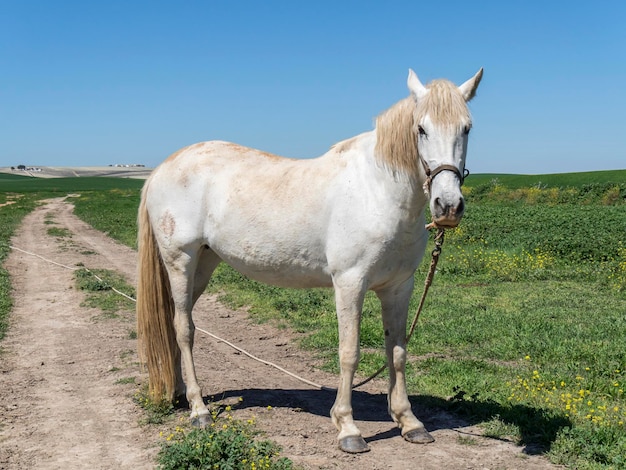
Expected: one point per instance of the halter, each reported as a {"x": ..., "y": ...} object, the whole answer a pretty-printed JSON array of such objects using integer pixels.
[{"x": 430, "y": 175}]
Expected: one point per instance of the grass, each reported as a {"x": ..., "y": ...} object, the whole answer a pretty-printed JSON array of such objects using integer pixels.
[
  {"x": 226, "y": 443},
  {"x": 524, "y": 324},
  {"x": 100, "y": 293},
  {"x": 125, "y": 380},
  {"x": 113, "y": 212},
  {"x": 155, "y": 412},
  {"x": 59, "y": 232}
]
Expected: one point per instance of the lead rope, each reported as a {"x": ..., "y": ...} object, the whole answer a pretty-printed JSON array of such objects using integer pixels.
[{"x": 427, "y": 283}]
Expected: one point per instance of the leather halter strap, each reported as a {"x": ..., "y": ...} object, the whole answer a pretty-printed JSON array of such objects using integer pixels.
[{"x": 430, "y": 174}]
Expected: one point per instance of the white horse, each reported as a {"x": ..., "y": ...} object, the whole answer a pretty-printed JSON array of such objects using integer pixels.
[{"x": 352, "y": 219}]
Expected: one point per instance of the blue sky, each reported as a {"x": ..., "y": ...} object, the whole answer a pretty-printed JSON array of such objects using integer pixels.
[{"x": 104, "y": 82}]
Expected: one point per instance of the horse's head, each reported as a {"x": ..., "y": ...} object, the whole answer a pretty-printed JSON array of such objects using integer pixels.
[{"x": 443, "y": 123}]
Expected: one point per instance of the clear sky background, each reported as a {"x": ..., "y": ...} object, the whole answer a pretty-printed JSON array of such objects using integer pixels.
[{"x": 104, "y": 82}]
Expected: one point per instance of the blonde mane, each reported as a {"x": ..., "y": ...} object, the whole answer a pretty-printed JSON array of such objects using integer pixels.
[{"x": 397, "y": 128}]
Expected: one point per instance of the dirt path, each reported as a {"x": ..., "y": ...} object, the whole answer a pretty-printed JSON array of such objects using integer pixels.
[{"x": 63, "y": 406}]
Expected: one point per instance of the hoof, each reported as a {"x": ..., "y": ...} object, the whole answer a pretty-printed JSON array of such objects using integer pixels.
[
  {"x": 200, "y": 421},
  {"x": 353, "y": 445},
  {"x": 419, "y": 436}
]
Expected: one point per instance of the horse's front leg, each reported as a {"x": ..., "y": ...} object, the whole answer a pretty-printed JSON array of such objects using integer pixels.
[
  {"x": 349, "y": 300},
  {"x": 395, "y": 305}
]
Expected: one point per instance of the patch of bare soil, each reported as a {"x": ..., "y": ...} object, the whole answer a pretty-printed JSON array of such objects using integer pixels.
[
  {"x": 63, "y": 405},
  {"x": 11, "y": 199}
]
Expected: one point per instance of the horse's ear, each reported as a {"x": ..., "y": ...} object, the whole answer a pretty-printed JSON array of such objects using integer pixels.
[
  {"x": 415, "y": 86},
  {"x": 468, "y": 89}
]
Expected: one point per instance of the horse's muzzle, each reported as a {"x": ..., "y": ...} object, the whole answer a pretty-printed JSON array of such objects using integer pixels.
[{"x": 448, "y": 215}]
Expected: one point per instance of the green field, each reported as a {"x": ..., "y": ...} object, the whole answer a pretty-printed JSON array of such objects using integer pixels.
[
  {"x": 24, "y": 184},
  {"x": 562, "y": 180},
  {"x": 525, "y": 325}
]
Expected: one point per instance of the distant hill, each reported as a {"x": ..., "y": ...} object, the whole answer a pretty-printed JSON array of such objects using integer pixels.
[{"x": 83, "y": 171}]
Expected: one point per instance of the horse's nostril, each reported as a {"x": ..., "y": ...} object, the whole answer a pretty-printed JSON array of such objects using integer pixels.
[{"x": 461, "y": 207}]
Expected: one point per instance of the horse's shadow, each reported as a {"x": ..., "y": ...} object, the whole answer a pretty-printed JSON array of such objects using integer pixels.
[{"x": 538, "y": 430}]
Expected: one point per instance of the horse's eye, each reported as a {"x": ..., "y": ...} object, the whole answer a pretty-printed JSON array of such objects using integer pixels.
[
  {"x": 422, "y": 132},
  {"x": 467, "y": 129}
]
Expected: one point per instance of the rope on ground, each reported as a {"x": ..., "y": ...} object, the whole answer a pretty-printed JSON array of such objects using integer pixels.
[
  {"x": 271, "y": 364},
  {"x": 42, "y": 258},
  {"x": 72, "y": 268}
]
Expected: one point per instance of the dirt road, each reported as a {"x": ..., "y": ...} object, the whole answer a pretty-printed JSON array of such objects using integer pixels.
[{"x": 66, "y": 401}]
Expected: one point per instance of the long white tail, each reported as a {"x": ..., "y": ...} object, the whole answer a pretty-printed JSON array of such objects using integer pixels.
[{"x": 155, "y": 312}]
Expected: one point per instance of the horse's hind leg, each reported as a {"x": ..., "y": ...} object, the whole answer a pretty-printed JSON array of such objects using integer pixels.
[
  {"x": 207, "y": 262},
  {"x": 189, "y": 275},
  {"x": 395, "y": 306}
]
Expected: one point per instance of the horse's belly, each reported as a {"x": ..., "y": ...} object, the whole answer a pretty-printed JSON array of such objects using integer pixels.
[
  {"x": 286, "y": 274},
  {"x": 285, "y": 262}
]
